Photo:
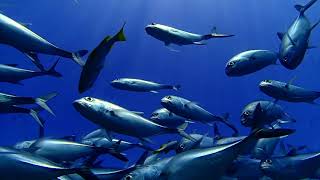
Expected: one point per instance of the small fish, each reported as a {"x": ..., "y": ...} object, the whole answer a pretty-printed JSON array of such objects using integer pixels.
[
  {"x": 166, "y": 118},
  {"x": 288, "y": 92},
  {"x": 10, "y": 104},
  {"x": 249, "y": 62},
  {"x": 114, "y": 118},
  {"x": 139, "y": 85},
  {"x": 170, "y": 35},
  {"x": 20, "y": 37},
  {"x": 192, "y": 111},
  {"x": 96, "y": 59},
  {"x": 295, "y": 42},
  {"x": 11, "y": 74},
  {"x": 99, "y": 138},
  {"x": 260, "y": 113}
]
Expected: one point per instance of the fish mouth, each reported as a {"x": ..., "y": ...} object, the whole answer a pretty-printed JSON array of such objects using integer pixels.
[
  {"x": 229, "y": 71},
  {"x": 148, "y": 29},
  {"x": 244, "y": 122},
  {"x": 154, "y": 118},
  {"x": 78, "y": 105},
  {"x": 264, "y": 167}
]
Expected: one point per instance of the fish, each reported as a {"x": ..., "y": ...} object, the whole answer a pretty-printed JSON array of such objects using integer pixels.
[
  {"x": 64, "y": 150},
  {"x": 139, "y": 85},
  {"x": 114, "y": 118},
  {"x": 166, "y": 118},
  {"x": 261, "y": 113},
  {"x": 295, "y": 42},
  {"x": 99, "y": 138},
  {"x": 249, "y": 62},
  {"x": 170, "y": 35},
  {"x": 292, "y": 167},
  {"x": 192, "y": 111},
  {"x": 245, "y": 168},
  {"x": 96, "y": 60},
  {"x": 149, "y": 170},
  {"x": 10, "y": 104},
  {"x": 213, "y": 162},
  {"x": 20, "y": 165},
  {"x": 10, "y": 73},
  {"x": 31, "y": 44},
  {"x": 288, "y": 92}
]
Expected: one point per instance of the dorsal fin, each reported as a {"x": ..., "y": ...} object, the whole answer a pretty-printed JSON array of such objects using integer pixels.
[{"x": 291, "y": 81}]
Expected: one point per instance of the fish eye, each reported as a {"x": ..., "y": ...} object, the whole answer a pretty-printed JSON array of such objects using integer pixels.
[
  {"x": 181, "y": 146},
  {"x": 285, "y": 58},
  {"x": 231, "y": 63},
  {"x": 267, "y": 81},
  {"x": 129, "y": 177},
  {"x": 269, "y": 161},
  {"x": 153, "y": 23},
  {"x": 246, "y": 114},
  {"x": 169, "y": 97},
  {"x": 89, "y": 99}
]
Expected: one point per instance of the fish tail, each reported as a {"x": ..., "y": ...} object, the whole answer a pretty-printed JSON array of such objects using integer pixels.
[
  {"x": 52, "y": 71},
  {"x": 181, "y": 130},
  {"x": 35, "y": 116},
  {"x": 175, "y": 87},
  {"x": 302, "y": 8},
  {"x": 225, "y": 120},
  {"x": 41, "y": 101},
  {"x": 120, "y": 36},
  {"x": 77, "y": 57},
  {"x": 112, "y": 152},
  {"x": 85, "y": 173}
]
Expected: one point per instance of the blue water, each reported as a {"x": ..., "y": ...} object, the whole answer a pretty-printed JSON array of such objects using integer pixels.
[{"x": 199, "y": 69}]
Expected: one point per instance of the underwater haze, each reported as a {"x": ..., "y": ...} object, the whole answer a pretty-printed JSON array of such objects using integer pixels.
[{"x": 200, "y": 70}]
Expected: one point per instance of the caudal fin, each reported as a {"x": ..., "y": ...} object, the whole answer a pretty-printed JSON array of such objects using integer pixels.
[
  {"x": 85, "y": 173},
  {"x": 120, "y": 36},
  {"x": 41, "y": 101},
  {"x": 225, "y": 119},
  {"x": 181, "y": 131},
  {"x": 35, "y": 116},
  {"x": 52, "y": 71},
  {"x": 77, "y": 57},
  {"x": 302, "y": 8}
]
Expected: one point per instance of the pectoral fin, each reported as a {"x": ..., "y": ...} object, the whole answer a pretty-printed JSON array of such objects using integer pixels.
[
  {"x": 34, "y": 58},
  {"x": 199, "y": 43},
  {"x": 280, "y": 35}
]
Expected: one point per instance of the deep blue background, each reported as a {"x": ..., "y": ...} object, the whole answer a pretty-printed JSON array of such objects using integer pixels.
[{"x": 199, "y": 69}]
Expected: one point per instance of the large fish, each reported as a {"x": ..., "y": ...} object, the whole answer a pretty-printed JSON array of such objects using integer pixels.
[
  {"x": 12, "y": 74},
  {"x": 21, "y": 165},
  {"x": 114, "y": 118},
  {"x": 96, "y": 59},
  {"x": 10, "y": 104},
  {"x": 295, "y": 42},
  {"x": 261, "y": 113},
  {"x": 292, "y": 167},
  {"x": 213, "y": 162},
  {"x": 288, "y": 92},
  {"x": 249, "y": 62},
  {"x": 63, "y": 150},
  {"x": 170, "y": 35},
  {"x": 20, "y": 37}
]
